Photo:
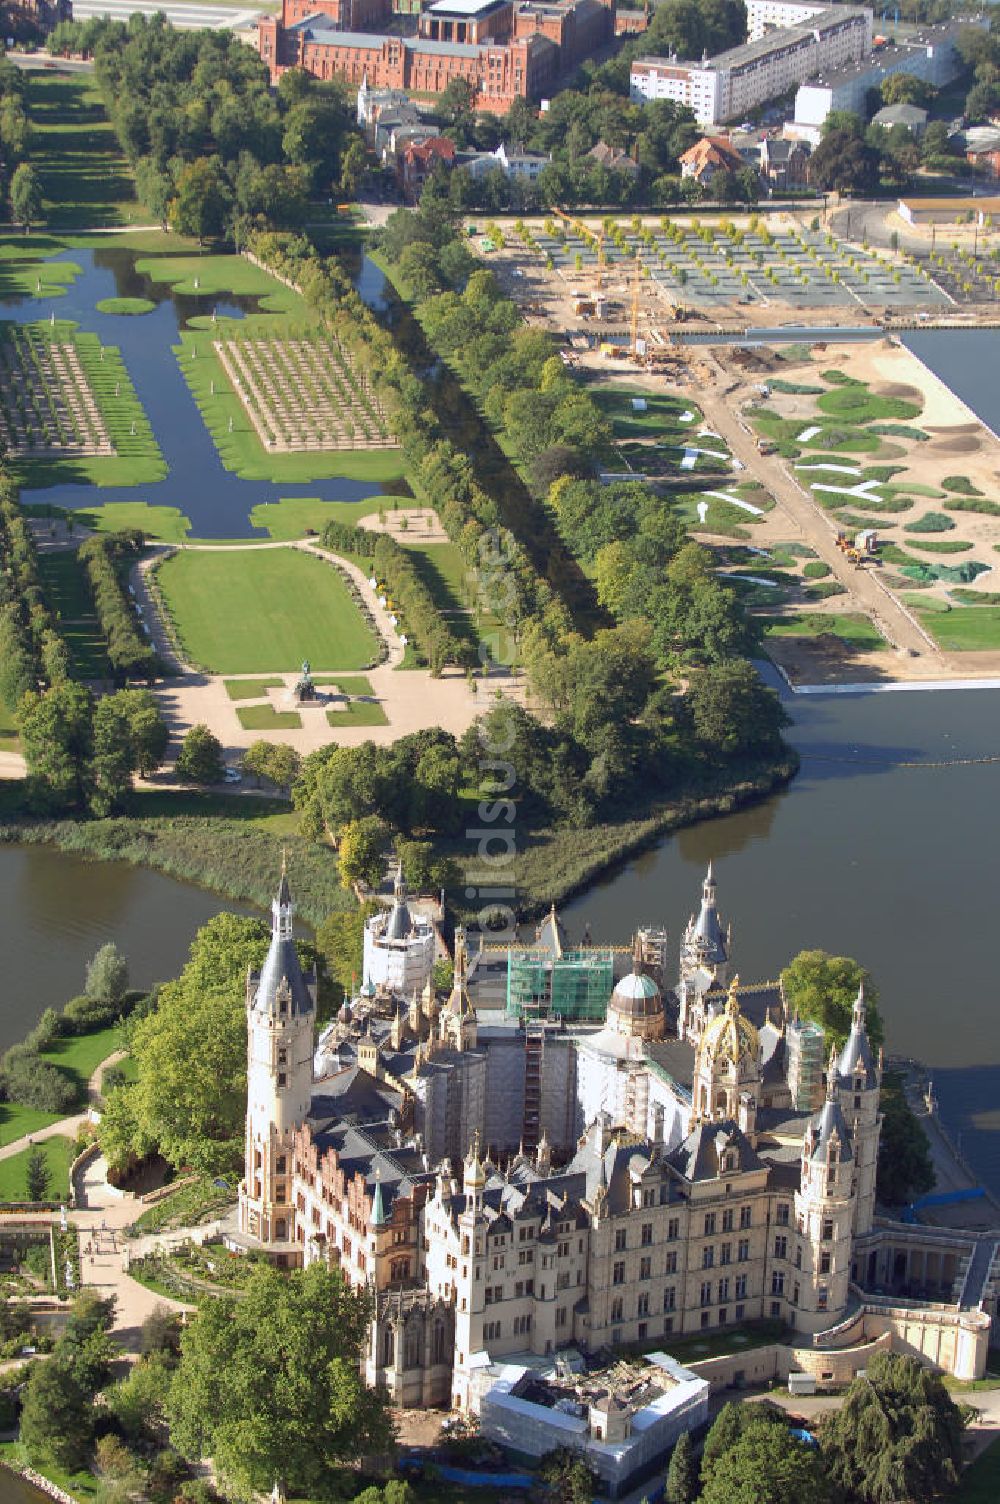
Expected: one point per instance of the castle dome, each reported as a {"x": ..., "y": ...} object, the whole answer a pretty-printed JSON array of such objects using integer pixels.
[
  {"x": 730, "y": 1035},
  {"x": 636, "y": 1005}
]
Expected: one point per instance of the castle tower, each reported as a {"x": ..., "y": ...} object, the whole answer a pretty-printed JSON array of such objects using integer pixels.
[
  {"x": 469, "y": 1290},
  {"x": 281, "y": 1016},
  {"x": 458, "y": 1017},
  {"x": 824, "y": 1213},
  {"x": 727, "y": 1068},
  {"x": 706, "y": 947},
  {"x": 859, "y": 1079}
]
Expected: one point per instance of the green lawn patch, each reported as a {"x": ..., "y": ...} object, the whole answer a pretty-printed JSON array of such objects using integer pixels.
[
  {"x": 250, "y": 689},
  {"x": 251, "y": 611},
  {"x": 901, "y": 431},
  {"x": 266, "y": 718},
  {"x": 126, "y": 306},
  {"x": 857, "y": 404},
  {"x": 824, "y": 590},
  {"x": 16, "y": 1121},
  {"x": 197, "y": 1201},
  {"x": 68, "y": 594},
  {"x": 660, "y": 415},
  {"x": 348, "y": 684},
  {"x": 817, "y": 570},
  {"x": 930, "y": 522},
  {"x": 965, "y": 629},
  {"x": 82, "y": 1486},
  {"x": 23, "y": 273},
  {"x": 59, "y": 1154},
  {"x": 164, "y": 524},
  {"x": 794, "y": 388},
  {"x": 358, "y": 713},
  {"x": 856, "y": 630},
  {"x": 85, "y": 178},
  {"x": 980, "y": 1483},
  {"x": 922, "y": 602},
  {"x": 78, "y": 1055},
  {"x": 944, "y": 546},
  {"x": 208, "y": 273},
  {"x": 973, "y": 504},
  {"x": 962, "y": 484},
  {"x": 293, "y": 517},
  {"x": 966, "y": 597}
]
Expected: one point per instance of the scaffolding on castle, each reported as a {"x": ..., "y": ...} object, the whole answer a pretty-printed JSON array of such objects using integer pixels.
[{"x": 575, "y": 985}]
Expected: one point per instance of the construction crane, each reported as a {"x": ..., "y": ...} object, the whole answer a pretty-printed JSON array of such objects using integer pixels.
[{"x": 634, "y": 328}]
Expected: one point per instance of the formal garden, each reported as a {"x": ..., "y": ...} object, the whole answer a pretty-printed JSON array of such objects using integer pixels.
[
  {"x": 304, "y": 394},
  {"x": 46, "y": 405}
]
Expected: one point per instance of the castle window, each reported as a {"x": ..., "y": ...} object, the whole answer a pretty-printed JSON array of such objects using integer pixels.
[
  {"x": 709, "y": 1224},
  {"x": 670, "y": 1298},
  {"x": 824, "y": 1263},
  {"x": 388, "y": 1346},
  {"x": 781, "y": 1215},
  {"x": 821, "y": 1298},
  {"x": 281, "y": 1164},
  {"x": 795, "y": 1293},
  {"x": 282, "y": 1079},
  {"x": 726, "y": 1253},
  {"x": 722, "y": 1317},
  {"x": 645, "y": 1268},
  {"x": 620, "y": 1239},
  {"x": 741, "y": 1287},
  {"x": 647, "y": 1234},
  {"x": 707, "y": 1257},
  {"x": 673, "y": 1229},
  {"x": 827, "y": 1231},
  {"x": 740, "y": 1312},
  {"x": 781, "y": 1248},
  {"x": 723, "y": 1289},
  {"x": 671, "y": 1264},
  {"x": 777, "y": 1284},
  {"x": 742, "y": 1250},
  {"x": 775, "y": 1308},
  {"x": 617, "y": 1307},
  {"x": 706, "y": 1292},
  {"x": 618, "y": 1273},
  {"x": 746, "y": 1213},
  {"x": 727, "y": 1219}
]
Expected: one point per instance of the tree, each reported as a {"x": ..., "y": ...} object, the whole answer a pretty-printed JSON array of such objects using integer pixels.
[
  {"x": 735, "y": 1417},
  {"x": 273, "y": 762},
  {"x": 843, "y": 162},
  {"x": 905, "y": 1167},
  {"x": 25, "y": 196},
  {"x": 107, "y": 976},
  {"x": 200, "y": 758},
  {"x": 37, "y": 1176},
  {"x": 270, "y": 1386},
  {"x": 682, "y": 1474},
  {"x": 189, "y": 1095},
  {"x": 732, "y": 710},
  {"x": 897, "y": 1437},
  {"x": 359, "y": 851},
  {"x": 147, "y": 730},
  {"x": 56, "y": 736},
  {"x": 202, "y": 202},
  {"x": 352, "y": 166},
  {"x": 57, "y": 1416},
  {"x": 768, "y": 1465},
  {"x": 113, "y": 759},
  {"x": 824, "y": 988},
  {"x": 907, "y": 88},
  {"x": 569, "y": 1479},
  {"x": 340, "y": 941}
]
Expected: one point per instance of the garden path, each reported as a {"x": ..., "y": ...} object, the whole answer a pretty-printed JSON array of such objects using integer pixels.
[{"x": 67, "y": 1127}]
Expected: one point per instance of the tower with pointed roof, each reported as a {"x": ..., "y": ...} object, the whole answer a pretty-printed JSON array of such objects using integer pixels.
[
  {"x": 281, "y": 1017},
  {"x": 706, "y": 954},
  {"x": 458, "y": 1016},
  {"x": 859, "y": 1078},
  {"x": 824, "y": 1214}
]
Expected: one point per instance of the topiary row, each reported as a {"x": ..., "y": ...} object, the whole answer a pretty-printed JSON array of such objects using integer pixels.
[{"x": 130, "y": 656}]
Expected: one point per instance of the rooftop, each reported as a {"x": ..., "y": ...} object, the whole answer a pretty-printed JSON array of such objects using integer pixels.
[
  {"x": 464, "y": 8},
  {"x": 886, "y": 59}
]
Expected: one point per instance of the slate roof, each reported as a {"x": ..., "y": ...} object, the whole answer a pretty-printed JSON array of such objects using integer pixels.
[
  {"x": 698, "y": 1156},
  {"x": 282, "y": 964}
]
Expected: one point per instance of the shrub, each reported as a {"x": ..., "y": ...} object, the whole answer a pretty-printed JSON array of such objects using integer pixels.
[
  {"x": 960, "y": 483},
  {"x": 930, "y": 522},
  {"x": 816, "y": 570}
]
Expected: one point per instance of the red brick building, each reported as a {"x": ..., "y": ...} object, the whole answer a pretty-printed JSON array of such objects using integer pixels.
[{"x": 505, "y": 51}]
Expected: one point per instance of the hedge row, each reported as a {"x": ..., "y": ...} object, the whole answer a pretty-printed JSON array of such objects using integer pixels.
[
  {"x": 130, "y": 656},
  {"x": 31, "y": 649}
]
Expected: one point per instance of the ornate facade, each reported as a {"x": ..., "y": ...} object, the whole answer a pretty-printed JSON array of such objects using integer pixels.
[{"x": 689, "y": 1172}]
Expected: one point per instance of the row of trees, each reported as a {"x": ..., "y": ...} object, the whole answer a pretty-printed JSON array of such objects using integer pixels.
[
  {"x": 213, "y": 148},
  {"x": 397, "y": 569},
  {"x": 106, "y": 557},
  {"x": 82, "y": 752},
  {"x": 31, "y": 649}
]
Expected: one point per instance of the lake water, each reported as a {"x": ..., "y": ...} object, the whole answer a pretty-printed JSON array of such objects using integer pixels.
[
  {"x": 217, "y": 501},
  {"x": 56, "y": 910}
]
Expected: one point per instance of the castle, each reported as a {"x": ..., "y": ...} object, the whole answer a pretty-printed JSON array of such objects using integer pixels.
[{"x": 513, "y": 1184}]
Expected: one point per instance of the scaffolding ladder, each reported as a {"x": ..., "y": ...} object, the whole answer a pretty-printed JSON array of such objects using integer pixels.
[{"x": 534, "y": 1047}]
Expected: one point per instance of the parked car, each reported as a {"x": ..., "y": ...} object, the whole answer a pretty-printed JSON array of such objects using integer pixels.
[{"x": 232, "y": 775}]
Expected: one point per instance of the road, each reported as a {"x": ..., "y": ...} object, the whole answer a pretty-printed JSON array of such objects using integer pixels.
[
  {"x": 183, "y": 16},
  {"x": 895, "y": 623}
]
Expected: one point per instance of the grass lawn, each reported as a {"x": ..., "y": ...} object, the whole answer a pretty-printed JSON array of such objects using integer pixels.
[
  {"x": 258, "y": 610},
  {"x": 59, "y": 1155},
  {"x": 197, "y": 1201},
  {"x": 939, "y": 546},
  {"x": 851, "y": 627},
  {"x": 23, "y": 273},
  {"x": 78, "y": 1485},
  {"x": 130, "y": 306},
  {"x": 166, "y": 524},
  {"x": 290, "y": 519},
  {"x": 79, "y": 1055},
  {"x": 10, "y": 740},
  {"x": 215, "y": 273},
  {"x": 348, "y": 684},
  {"x": 86, "y": 181},
  {"x": 661, "y": 413},
  {"x": 980, "y": 1483},
  {"x": 358, "y": 713},
  {"x": 266, "y": 718},
  {"x": 16, "y": 1121},
  {"x": 64, "y": 581},
  {"x": 250, "y": 689},
  {"x": 964, "y": 629}
]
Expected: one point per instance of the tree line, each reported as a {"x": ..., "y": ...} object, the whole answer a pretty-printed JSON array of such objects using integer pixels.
[
  {"x": 395, "y": 567},
  {"x": 106, "y": 557},
  {"x": 31, "y": 650},
  {"x": 214, "y": 150}
]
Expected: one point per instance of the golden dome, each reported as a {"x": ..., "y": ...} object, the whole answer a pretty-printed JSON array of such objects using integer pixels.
[{"x": 729, "y": 1035}]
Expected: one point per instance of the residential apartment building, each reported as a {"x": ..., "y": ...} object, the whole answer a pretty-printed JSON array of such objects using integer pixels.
[{"x": 734, "y": 82}]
